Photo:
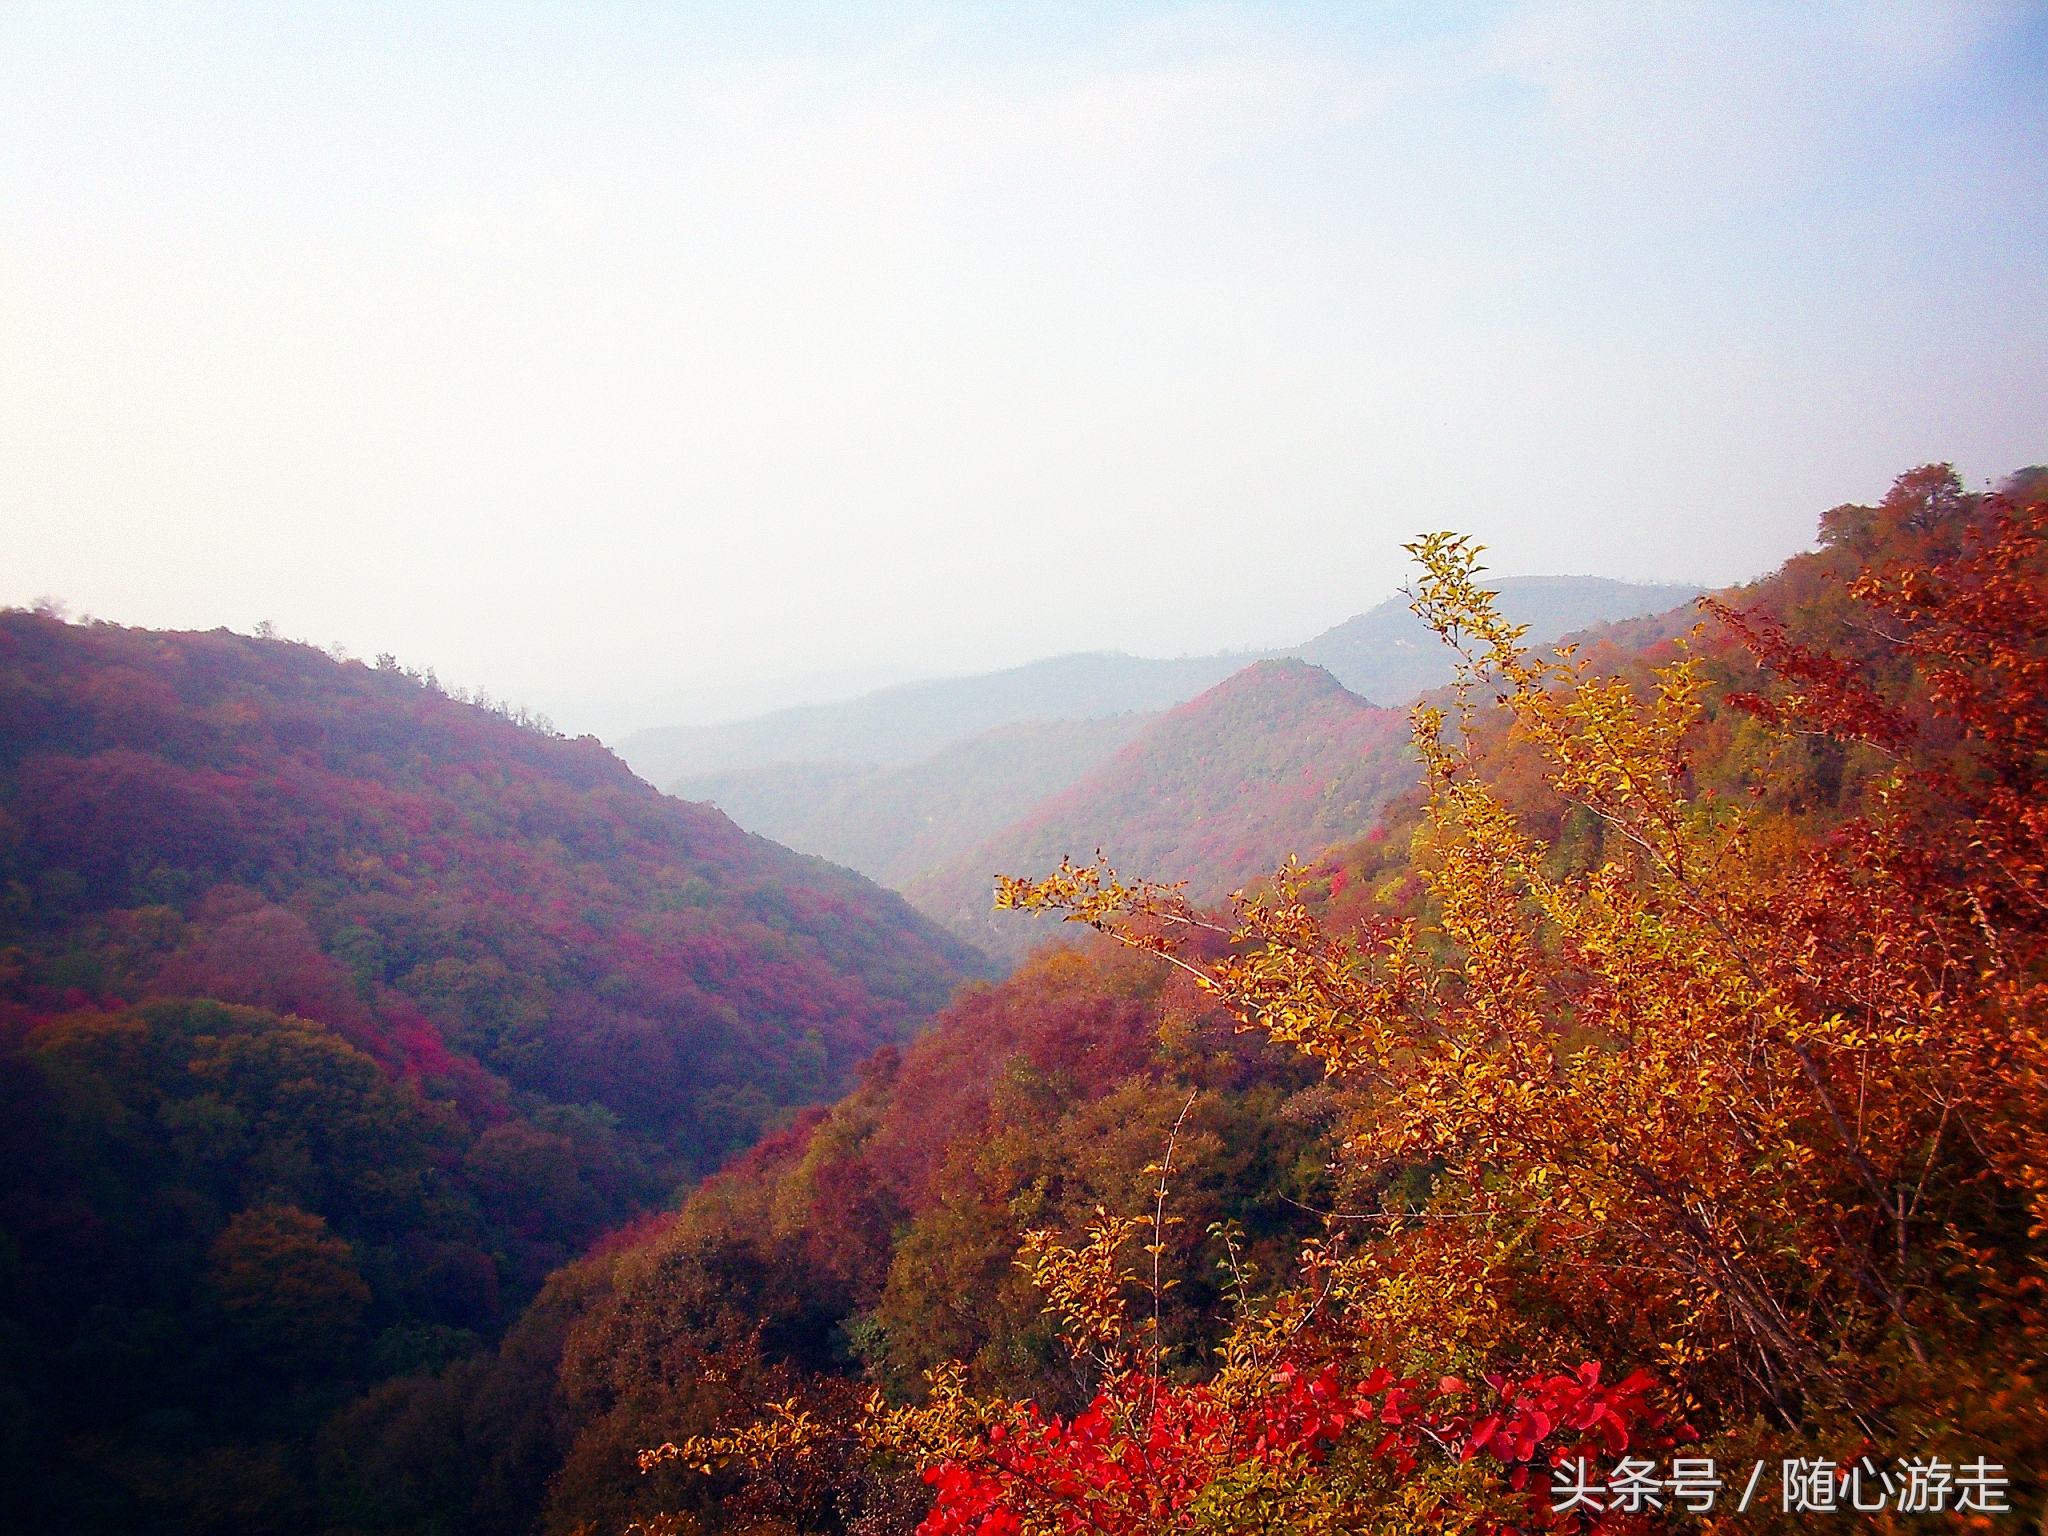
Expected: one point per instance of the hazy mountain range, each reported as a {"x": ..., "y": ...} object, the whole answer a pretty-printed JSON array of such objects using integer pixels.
[
  {"x": 914, "y": 720},
  {"x": 893, "y": 823},
  {"x": 931, "y": 787},
  {"x": 1386, "y": 655}
]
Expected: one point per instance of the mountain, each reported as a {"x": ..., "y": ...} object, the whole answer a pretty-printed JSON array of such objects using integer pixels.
[
  {"x": 1278, "y": 758},
  {"x": 616, "y": 715},
  {"x": 880, "y": 1237},
  {"x": 914, "y": 720},
  {"x": 893, "y": 823},
  {"x": 252, "y": 821},
  {"x": 905, "y": 781},
  {"x": 1388, "y": 655},
  {"x": 335, "y": 1013},
  {"x": 1102, "y": 1114},
  {"x": 1385, "y": 654}
]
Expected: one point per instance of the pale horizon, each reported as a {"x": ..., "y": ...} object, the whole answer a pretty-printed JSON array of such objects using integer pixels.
[{"x": 594, "y": 358}]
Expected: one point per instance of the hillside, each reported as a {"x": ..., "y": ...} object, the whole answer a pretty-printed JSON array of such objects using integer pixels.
[
  {"x": 914, "y": 720},
  {"x": 1492, "y": 1070},
  {"x": 832, "y": 780},
  {"x": 334, "y": 1014},
  {"x": 881, "y": 1235},
  {"x": 1485, "y": 1104},
  {"x": 1277, "y": 759},
  {"x": 351, "y": 844},
  {"x": 893, "y": 823}
]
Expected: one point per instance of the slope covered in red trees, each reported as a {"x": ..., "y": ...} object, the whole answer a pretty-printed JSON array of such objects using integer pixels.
[
  {"x": 334, "y": 1014},
  {"x": 250, "y": 820},
  {"x": 1663, "y": 1078},
  {"x": 878, "y": 1237}
]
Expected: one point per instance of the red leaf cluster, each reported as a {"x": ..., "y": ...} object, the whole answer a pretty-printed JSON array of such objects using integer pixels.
[{"x": 1136, "y": 1461}]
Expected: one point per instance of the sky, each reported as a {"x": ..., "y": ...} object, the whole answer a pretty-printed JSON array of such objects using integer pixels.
[{"x": 642, "y": 363}]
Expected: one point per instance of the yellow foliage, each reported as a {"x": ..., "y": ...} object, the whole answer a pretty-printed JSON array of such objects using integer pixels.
[{"x": 1670, "y": 1114}]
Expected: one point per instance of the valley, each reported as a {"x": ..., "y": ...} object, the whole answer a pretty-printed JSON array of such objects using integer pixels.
[
  {"x": 1157, "y": 769},
  {"x": 429, "y": 1117},
  {"x": 934, "y": 788}
]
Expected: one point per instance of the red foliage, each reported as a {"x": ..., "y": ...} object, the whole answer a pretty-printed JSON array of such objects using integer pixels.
[
  {"x": 451, "y": 890},
  {"x": 1838, "y": 701},
  {"x": 1137, "y": 1464}
]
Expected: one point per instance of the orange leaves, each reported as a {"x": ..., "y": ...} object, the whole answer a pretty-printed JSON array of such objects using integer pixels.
[
  {"x": 1085, "y": 1286},
  {"x": 787, "y": 1431}
]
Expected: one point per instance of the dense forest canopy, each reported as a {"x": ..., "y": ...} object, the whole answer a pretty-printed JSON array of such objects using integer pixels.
[
  {"x": 402, "y": 866},
  {"x": 336, "y": 1013}
]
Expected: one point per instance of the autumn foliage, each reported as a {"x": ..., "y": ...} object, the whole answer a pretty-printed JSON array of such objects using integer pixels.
[
  {"x": 336, "y": 1013},
  {"x": 1662, "y": 1080},
  {"x": 1726, "y": 1091}
]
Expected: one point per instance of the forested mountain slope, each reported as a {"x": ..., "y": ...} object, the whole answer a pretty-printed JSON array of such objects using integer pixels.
[
  {"x": 1277, "y": 759},
  {"x": 1442, "y": 1168},
  {"x": 880, "y": 1237},
  {"x": 250, "y": 820},
  {"x": 494, "y": 995},
  {"x": 1413, "y": 1200},
  {"x": 894, "y": 823}
]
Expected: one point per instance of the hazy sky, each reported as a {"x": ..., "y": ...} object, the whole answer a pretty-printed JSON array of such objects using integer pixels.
[{"x": 594, "y": 354}]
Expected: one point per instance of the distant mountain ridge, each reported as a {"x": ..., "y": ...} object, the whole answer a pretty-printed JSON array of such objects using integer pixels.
[
  {"x": 1279, "y": 758},
  {"x": 833, "y": 780},
  {"x": 1385, "y": 654},
  {"x": 912, "y": 721}
]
